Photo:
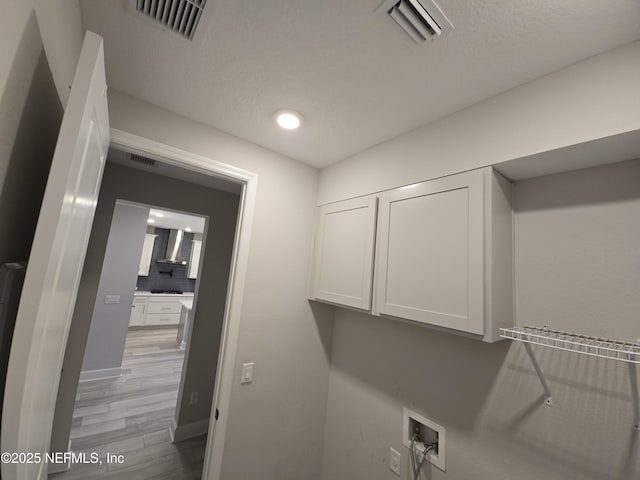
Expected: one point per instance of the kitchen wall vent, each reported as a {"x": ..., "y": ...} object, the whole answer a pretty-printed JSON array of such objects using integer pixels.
[
  {"x": 179, "y": 16},
  {"x": 420, "y": 20},
  {"x": 143, "y": 160}
]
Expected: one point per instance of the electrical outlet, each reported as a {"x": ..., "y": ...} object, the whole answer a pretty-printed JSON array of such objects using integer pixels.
[
  {"x": 394, "y": 461},
  {"x": 193, "y": 399},
  {"x": 424, "y": 432}
]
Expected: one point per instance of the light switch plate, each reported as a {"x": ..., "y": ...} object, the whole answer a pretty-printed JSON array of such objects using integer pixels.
[
  {"x": 394, "y": 461},
  {"x": 247, "y": 373},
  {"x": 111, "y": 299}
]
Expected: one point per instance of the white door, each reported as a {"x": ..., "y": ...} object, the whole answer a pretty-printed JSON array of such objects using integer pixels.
[{"x": 55, "y": 265}]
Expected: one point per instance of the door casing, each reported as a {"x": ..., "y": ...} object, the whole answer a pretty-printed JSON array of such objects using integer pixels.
[{"x": 233, "y": 307}]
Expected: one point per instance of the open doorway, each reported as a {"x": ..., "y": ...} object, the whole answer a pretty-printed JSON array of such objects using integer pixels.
[{"x": 125, "y": 180}]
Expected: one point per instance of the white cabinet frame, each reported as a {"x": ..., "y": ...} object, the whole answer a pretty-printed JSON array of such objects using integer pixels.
[{"x": 443, "y": 254}]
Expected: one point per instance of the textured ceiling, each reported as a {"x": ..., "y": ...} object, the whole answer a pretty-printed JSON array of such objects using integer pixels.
[{"x": 354, "y": 76}]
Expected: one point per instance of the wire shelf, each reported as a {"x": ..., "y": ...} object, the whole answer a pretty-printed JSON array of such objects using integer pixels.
[
  {"x": 594, "y": 346},
  {"x": 570, "y": 342}
]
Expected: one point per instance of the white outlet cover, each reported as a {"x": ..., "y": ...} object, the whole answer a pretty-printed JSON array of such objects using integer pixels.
[{"x": 395, "y": 458}]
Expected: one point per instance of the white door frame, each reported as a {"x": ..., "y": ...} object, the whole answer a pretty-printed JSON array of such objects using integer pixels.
[{"x": 235, "y": 290}]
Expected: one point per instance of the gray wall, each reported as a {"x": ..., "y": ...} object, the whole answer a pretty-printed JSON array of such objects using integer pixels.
[
  {"x": 62, "y": 31},
  {"x": 576, "y": 246},
  {"x": 30, "y": 109},
  {"x": 110, "y": 322},
  {"x": 124, "y": 183},
  {"x": 276, "y": 423},
  {"x": 30, "y": 116},
  {"x": 589, "y": 100},
  {"x": 577, "y": 251}
]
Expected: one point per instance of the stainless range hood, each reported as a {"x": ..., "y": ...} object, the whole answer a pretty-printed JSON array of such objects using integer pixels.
[{"x": 174, "y": 245}]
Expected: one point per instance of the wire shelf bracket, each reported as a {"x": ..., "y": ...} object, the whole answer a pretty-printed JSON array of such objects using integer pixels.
[{"x": 569, "y": 342}]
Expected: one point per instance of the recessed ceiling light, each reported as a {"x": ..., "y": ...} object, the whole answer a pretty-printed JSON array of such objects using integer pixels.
[
  {"x": 150, "y": 220},
  {"x": 158, "y": 214},
  {"x": 288, "y": 119},
  {"x": 188, "y": 229}
]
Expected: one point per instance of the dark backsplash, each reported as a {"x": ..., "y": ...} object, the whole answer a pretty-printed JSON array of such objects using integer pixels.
[{"x": 163, "y": 276}]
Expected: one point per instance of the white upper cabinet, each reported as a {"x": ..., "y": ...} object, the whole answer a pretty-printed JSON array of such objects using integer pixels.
[
  {"x": 147, "y": 252},
  {"x": 444, "y": 253},
  {"x": 343, "y": 254},
  {"x": 194, "y": 261}
]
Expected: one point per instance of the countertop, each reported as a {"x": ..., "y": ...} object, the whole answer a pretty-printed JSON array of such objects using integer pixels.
[{"x": 145, "y": 293}]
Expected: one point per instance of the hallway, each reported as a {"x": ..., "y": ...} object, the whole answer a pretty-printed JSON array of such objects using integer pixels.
[{"x": 130, "y": 416}]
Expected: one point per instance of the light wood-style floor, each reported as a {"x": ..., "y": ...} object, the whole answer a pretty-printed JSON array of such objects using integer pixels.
[{"x": 130, "y": 415}]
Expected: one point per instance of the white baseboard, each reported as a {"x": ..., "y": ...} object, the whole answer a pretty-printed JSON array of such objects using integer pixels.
[
  {"x": 100, "y": 374},
  {"x": 190, "y": 430},
  {"x": 60, "y": 467}
]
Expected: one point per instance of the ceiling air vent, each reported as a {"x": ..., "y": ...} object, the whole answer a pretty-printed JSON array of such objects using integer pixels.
[
  {"x": 143, "y": 160},
  {"x": 421, "y": 20},
  {"x": 179, "y": 16}
]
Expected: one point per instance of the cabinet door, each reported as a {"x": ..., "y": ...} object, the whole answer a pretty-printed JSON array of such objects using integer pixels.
[
  {"x": 194, "y": 261},
  {"x": 155, "y": 319},
  {"x": 343, "y": 255},
  {"x": 164, "y": 307},
  {"x": 430, "y": 253},
  {"x": 147, "y": 252},
  {"x": 138, "y": 311},
  {"x": 163, "y": 310}
]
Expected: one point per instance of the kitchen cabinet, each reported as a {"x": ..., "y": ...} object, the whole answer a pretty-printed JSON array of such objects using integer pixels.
[
  {"x": 157, "y": 309},
  {"x": 343, "y": 258},
  {"x": 138, "y": 311},
  {"x": 162, "y": 310},
  {"x": 185, "y": 323},
  {"x": 443, "y": 254},
  {"x": 147, "y": 252},
  {"x": 194, "y": 261}
]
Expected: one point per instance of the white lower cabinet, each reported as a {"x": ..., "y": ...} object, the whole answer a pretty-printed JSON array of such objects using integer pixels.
[
  {"x": 156, "y": 310},
  {"x": 138, "y": 311},
  {"x": 443, "y": 255},
  {"x": 162, "y": 319}
]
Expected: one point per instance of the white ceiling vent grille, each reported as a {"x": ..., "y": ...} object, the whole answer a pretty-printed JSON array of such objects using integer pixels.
[
  {"x": 420, "y": 20},
  {"x": 179, "y": 16}
]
